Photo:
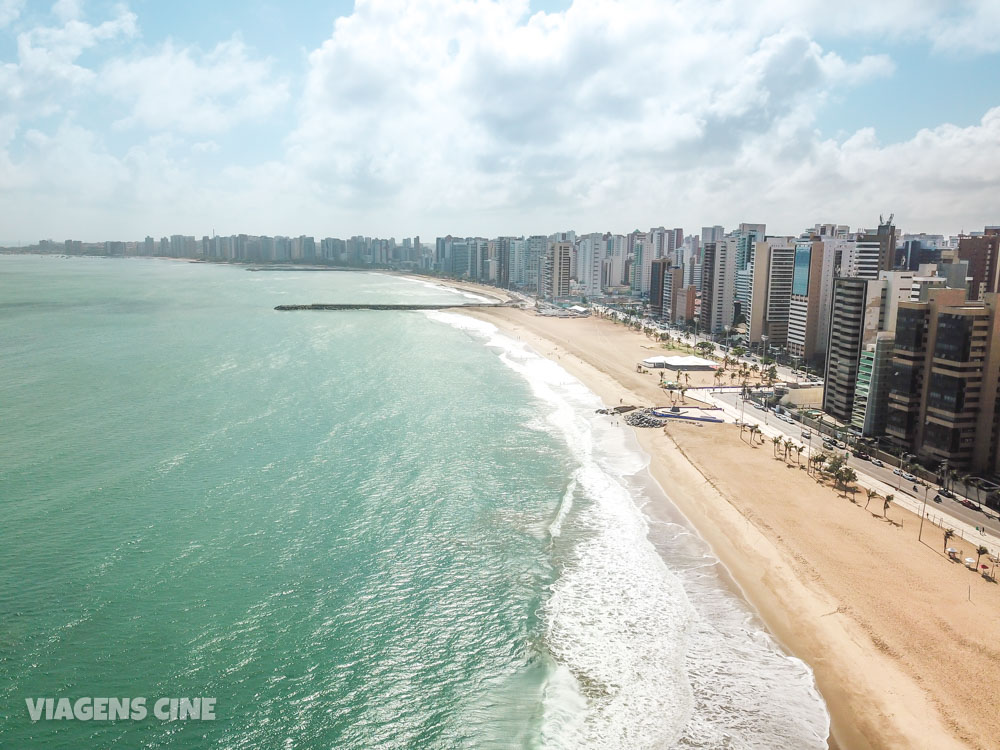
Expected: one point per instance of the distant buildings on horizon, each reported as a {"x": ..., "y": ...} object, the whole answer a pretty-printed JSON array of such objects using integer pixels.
[{"x": 905, "y": 327}]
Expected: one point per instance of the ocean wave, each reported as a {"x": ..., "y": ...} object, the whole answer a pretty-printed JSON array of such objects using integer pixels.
[{"x": 651, "y": 647}]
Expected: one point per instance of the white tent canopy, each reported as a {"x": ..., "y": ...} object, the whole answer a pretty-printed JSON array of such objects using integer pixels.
[{"x": 680, "y": 363}]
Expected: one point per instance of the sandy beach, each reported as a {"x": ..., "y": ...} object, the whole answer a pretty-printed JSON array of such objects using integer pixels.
[{"x": 903, "y": 641}]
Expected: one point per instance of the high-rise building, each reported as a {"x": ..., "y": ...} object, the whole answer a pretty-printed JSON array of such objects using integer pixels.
[
  {"x": 657, "y": 280},
  {"x": 722, "y": 294},
  {"x": 705, "y": 319},
  {"x": 862, "y": 308},
  {"x": 503, "y": 262},
  {"x": 556, "y": 270},
  {"x": 712, "y": 234},
  {"x": 591, "y": 250},
  {"x": 666, "y": 299},
  {"x": 982, "y": 252},
  {"x": 460, "y": 264},
  {"x": 874, "y": 251},
  {"x": 816, "y": 264},
  {"x": 871, "y": 394},
  {"x": 746, "y": 239},
  {"x": 771, "y": 266},
  {"x": 856, "y": 320},
  {"x": 943, "y": 399}
]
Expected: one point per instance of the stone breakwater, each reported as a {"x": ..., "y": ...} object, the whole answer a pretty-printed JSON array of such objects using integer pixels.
[
  {"x": 643, "y": 418},
  {"x": 339, "y": 306}
]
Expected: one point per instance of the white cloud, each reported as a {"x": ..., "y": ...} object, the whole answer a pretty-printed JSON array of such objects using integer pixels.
[
  {"x": 9, "y": 11},
  {"x": 47, "y": 71},
  {"x": 476, "y": 116},
  {"x": 468, "y": 108},
  {"x": 67, "y": 10},
  {"x": 182, "y": 90}
]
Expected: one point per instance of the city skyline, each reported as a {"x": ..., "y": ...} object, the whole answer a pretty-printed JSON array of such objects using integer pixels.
[{"x": 492, "y": 117}]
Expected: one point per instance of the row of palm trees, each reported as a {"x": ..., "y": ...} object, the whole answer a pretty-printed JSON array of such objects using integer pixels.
[
  {"x": 787, "y": 446},
  {"x": 835, "y": 466},
  {"x": 980, "y": 550}
]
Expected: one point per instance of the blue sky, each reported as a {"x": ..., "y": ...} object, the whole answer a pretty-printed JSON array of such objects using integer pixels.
[{"x": 494, "y": 116}]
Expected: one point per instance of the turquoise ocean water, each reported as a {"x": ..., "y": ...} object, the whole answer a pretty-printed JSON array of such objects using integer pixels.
[{"x": 353, "y": 530}]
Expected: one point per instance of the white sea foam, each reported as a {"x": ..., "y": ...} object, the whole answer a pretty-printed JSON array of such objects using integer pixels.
[
  {"x": 555, "y": 528},
  {"x": 652, "y": 648},
  {"x": 442, "y": 287}
]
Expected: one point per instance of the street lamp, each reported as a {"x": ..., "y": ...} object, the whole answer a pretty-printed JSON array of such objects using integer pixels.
[{"x": 923, "y": 513}]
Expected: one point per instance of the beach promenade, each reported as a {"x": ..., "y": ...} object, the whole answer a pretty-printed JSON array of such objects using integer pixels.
[{"x": 902, "y": 639}]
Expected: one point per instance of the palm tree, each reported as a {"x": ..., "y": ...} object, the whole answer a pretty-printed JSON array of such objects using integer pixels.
[
  {"x": 848, "y": 476},
  {"x": 788, "y": 446},
  {"x": 754, "y": 429},
  {"x": 732, "y": 376},
  {"x": 948, "y": 534},
  {"x": 871, "y": 494},
  {"x": 976, "y": 486},
  {"x": 886, "y": 503},
  {"x": 980, "y": 551},
  {"x": 775, "y": 442},
  {"x": 798, "y": 453}
]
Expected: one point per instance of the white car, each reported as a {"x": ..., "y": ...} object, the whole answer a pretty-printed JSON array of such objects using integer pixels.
[
  {"x": 876, "y": 462},
  {"x": 909, "y": 477},
  {"x": 806, "y": 434},
  {"x": 898, "y": 472}
]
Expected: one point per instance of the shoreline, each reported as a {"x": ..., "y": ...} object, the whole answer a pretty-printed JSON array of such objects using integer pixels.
[{"x": 876, "y": 696}]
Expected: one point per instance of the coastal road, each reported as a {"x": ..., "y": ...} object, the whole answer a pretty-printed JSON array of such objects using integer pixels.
[{"x": 948, "y": 508}]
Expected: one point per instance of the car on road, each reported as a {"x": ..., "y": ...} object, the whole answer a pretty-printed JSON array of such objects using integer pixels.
[
  {"x": 897, "y": 471},
  {"x": 945, "y": 492},
  {"x": 909, "y": 477},
  {"x": 969, "y": 504},
  {"x": 876, "y": 462},
  {"x": 861, "y": 455},
  {"x": 806, "y": 434}
]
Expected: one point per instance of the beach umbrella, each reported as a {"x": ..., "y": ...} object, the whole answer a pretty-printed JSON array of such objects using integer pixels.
[
  {"x": 951, "y": 550},
  {"x": 970, "y": 561}
]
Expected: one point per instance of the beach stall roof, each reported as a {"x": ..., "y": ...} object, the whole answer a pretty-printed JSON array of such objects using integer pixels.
[
  {"x": 658, "y": 361},
  {"x": 689, "y": 363}
]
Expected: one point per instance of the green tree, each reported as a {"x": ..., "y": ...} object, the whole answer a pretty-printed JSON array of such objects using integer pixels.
[
  {"x": 871, "y": 495},
  {"x": 848, "y": 476},
  {"x": 980, "y": 551},
  {"x": 775, "y": 442},
  {"x": 948, "y": 534},
  {"x": 886, "y": 503}
]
